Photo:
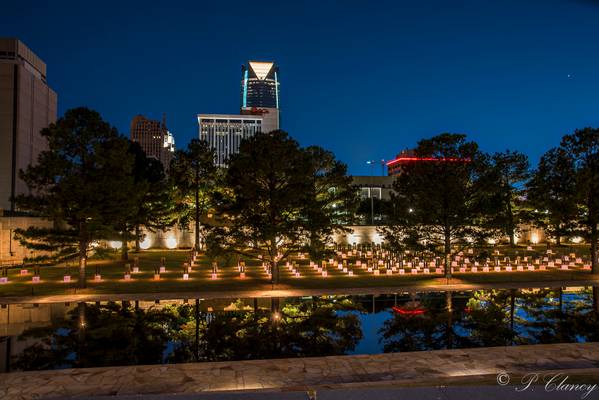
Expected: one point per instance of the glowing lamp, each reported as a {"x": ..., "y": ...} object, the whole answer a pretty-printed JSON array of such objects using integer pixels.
[
  {"x": 114, "y": 244},
  {"x": 534, "y": 238},
  {"x": 146, "y": 243},
  {"x": 171, "y": 242}
]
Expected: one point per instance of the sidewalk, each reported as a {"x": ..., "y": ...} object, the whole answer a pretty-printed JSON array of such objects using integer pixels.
[{"x": 235, "y": 294}]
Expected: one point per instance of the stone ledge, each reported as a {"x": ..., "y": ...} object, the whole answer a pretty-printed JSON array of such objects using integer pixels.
[{"x": 411, "y": 368}]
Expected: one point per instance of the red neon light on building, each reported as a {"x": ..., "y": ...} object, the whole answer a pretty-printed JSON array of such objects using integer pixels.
[
  {"x": 408, "y": 157},
  {"x": 417, "y": 159}
]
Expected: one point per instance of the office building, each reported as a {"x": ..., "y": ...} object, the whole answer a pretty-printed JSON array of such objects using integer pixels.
[
  {"x": 260, "y": 93},
  {"x": 407, "y": 157},
  {"x": 225, "y": 132},
  {"x": 154, "y": 138},
  {"x": 377, "y": 187},
  {"x": 27, "y": 105}
]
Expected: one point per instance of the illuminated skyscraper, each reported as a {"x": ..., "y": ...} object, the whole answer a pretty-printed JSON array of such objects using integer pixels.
[
  {"x": 260, "y": 92},
  {"x": 225, "y": 132}
]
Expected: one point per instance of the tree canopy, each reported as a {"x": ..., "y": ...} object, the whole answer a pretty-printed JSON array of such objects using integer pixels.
[
  {"x": 438, "y": 201},
  {"x": 279, "y": 198},
  {"x": 80, "y": 183},
  {"x": 194, "y": 176}
]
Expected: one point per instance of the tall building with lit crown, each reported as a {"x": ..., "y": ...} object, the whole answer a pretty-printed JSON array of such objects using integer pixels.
[
  {"x": 27, "y": 105},
  {"x": 154, "y": 138},
  {"x": 260, "y": 92},
  {"x": 224, "y": 133}
]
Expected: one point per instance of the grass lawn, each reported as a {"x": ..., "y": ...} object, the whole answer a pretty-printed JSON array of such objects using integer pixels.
[{"x": 112, "y": 271}]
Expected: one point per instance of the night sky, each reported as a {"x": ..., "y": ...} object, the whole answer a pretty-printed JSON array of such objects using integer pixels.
[{"x": 360, "y": 79}]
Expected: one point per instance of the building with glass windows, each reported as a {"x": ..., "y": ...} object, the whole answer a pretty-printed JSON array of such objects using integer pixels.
[
  {"x": 260, "y": 92},
  {"x": 154, "y": 138},
  {"x": 224, "y": 133}
]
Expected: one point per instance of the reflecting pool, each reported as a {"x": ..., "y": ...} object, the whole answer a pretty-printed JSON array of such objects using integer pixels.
[{"x": 67, "y": 335}]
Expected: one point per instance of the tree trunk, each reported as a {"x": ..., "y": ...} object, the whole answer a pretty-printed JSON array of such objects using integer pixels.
[
  {"x": 197, "y": 332},
  {"x": 595, "y": 267},
  {"x": 274, "y": 270},
  {"x": 449, "y": 331},
  {"x": 124, "y": 247},
  {"x": 447, "y": 249},
  {"x": 510, "y": 225},
  {"x": 512, "y": 309},
  {"x": 82, "y": 264},
  {"x": 137, "y": 235},
  {"x": 197, "y": 204},
  {"x": 81, "y": 333}
]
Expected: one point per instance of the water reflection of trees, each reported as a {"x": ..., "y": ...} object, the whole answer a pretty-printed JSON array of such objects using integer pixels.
[
  {"x": 113, "y": 334},
  {"x": 553, "y": 319},
  {"x": 436, "y": 328},
  {"x": 495, "y": 318}
]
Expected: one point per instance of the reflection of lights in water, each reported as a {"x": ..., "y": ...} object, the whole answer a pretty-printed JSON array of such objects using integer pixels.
[
  {"x": 534, "y": 238},
  {"x": 115, "y": 244},
  {"x": 146, "y": 243},
  {"x": 171, "y": 242},
  {"x": 276, "y": 316}
]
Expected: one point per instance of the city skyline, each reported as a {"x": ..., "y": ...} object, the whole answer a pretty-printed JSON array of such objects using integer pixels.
[{"x": 495, "y": 77}]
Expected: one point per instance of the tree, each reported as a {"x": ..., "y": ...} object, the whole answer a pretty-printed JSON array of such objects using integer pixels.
[
  {"x": 77, "y": 184},
  {"x": 551, "y": 192},
  {"x": 583, "y": 148},
  {"x": 507, "y": 173},
  {"x": 193, "y": 174},
  {"x": 332, "y": 202},
  {"x": 150, "y": 200},
  {"x": 267, "y": 196},
  {"x": 439, "y": 199}
]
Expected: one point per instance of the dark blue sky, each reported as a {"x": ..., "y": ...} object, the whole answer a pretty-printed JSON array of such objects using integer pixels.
[{"x": 363, "y": 79}]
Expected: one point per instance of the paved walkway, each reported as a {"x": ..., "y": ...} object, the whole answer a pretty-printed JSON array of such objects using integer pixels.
[
  {"x": 301, "y": 374},
  {"x": 235, "y": 294}
]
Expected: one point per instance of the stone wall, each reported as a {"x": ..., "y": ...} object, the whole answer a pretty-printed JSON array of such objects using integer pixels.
[
  {"x": 11, "y": 251},
  {"x": 362, "y": 234}
]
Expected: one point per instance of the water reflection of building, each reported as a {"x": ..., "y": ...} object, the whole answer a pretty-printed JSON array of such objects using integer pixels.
[{"x": 17, "y": 318}]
